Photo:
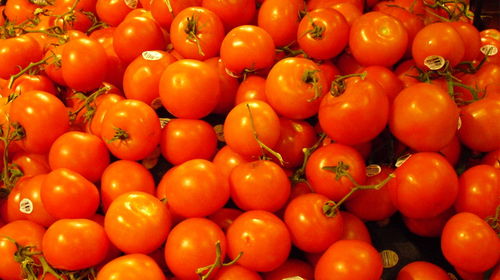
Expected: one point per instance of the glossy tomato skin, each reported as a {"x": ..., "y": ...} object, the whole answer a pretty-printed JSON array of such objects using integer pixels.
[
  {"x": 295, "y": 135},
  {"x": 33, "y": 82},
  {"x": 131, "y": 266},
  {"x": 67, "y": 238},
  {"x": 160, "y": 10},
  {"x": 292, "y": 267},
  {"x": 421, "y": 270},
  {"x": 228, "y": 85},
  {"x": 137, "y": 222},
  {"x": 430, "y": 227},
  {"x": 420, "y": 125},
  {"x": 280, "y": 19},
  {"x": 425, "y": 186},
  {"x": 43, "y": 117},
  {"x": 355, "y": 228},
  {"x": 465, "y": 233},
  {"x": 18, "y": 52},
  {"x": 262, "y": 237},
  {"x": 29, "y": 190},
  {"x": 236, "y": 272},
  {"x": 232, "y": 13},
  {"x": 103, "y": 104},
  {"x": 349, "y": 259},
  {"x": 111, "y": 11},
  {"x": 253, "y": 87},
  {"x": 378, "y": 39},
  {"x": 227, "y": 159},
  {"x": 191, "y": 245},
  {"x": 386, "y": 78}
]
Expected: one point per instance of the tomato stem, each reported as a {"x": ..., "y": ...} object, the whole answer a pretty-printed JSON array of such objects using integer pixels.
[
  {"x": 120, "y": 135},
  {"x": 10, "y": 174},
  {"x": 494, "y": 221},
  {"x": 26, "y": 69},
  {"x": 217, "y": 263},
  {"x": 192, "y": 32},
  {"x": 88, "y": 104},
  {"x": 309, "y": 77},
  {"x": 338, "y": 85},
  {"x": 298, "y": 175}
]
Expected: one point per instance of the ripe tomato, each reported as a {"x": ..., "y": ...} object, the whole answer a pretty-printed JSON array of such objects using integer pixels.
[
  {"x": 31, "y": 164},
  {"x": 130, "y": 267},
  {"x": 53, "y": 68},
  {"x": 262, "y": 237},
  {"x": 191, "y": 245},
  {"x": 31, "y": 202},
  {"x": 180, "y": 140},
  {"x": 228, "y": 85},
  {"x": 112, "y": 12},
  {"x": 67, "y": 238},
  {"x": 349, "y": 259},
  {"x": 465, "y": 233},
  {"x": 18, "y": 11},
  {"x": 312, "y": 230},
  {"x": 80, "y": 152},
  {"x": 124, "y": 176},
  {"x": 195, "y": 188},
  {"x": 355, "y": 228},
  {"x": 422, "y": 270},
  {"x": 492, "y": 158},
  {"x": 43, "y": 118},
  {"x": 294, "y": 87},
  {"x": 197, "y": 33},
  {"x": 33, "y": 82},
  {"x": 103, "y": 104},
  {"x": 252, "y": 88},
  {"x": 323, "y": 33},
  {"x": 386, "y": 78},
  {"x": 67, "y": 194},
  {"x": 295, "y": 135},
  {"x": 165, "y": 11},
  {"x": 227, "y": 159},
  {"x": 189, "y": 89},
  {"x": 292, "y": 267},
  {"x": 137, "y": 222},
  {"x": 378, "y": 39},
  {"x": 281, "y": 20},
  {"x": 131, "y": 129},
  {"x": 425, "y": 185},
  {"x": 9, "y": 207},
  {"x": 236, "y": 272},
  {"x": 224, "y": 217},
  {"x": 420, "y": 125},
  {"x": 232, "y": 13},
  {"x": 469, "y": 34},
  {"x": 429, "y": 227}
]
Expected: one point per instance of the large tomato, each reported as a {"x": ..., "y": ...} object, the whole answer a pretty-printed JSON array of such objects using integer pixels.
[
  {"x": 18, "y": 52},
  {"x": 131, "y": 267},
  {"x": 281, "y": 20},
  {"x": 421, "y": 270}
]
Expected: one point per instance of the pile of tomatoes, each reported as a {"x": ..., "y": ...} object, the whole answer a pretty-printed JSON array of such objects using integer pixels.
[{"x": 245, "y": 139}]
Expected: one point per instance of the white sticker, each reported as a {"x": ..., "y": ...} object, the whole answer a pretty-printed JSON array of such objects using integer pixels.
[
  {"x": 373, "y": 170},
  {"x": 489, "y": 50},
  {"x": 152, "y": 55},
  {"x": 389, "y": 258},
  {"x": 164, "y": 121},
  {"x": 132, "y": 4},
  {"x": 402, "y": 160},
  {"x": 25, "y": 206},
  {"x": 434, "y": 62}
]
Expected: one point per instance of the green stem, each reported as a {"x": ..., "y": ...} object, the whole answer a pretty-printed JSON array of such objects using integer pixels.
[
  {"x": 192, "y": 31},
  {"x": 120, "y": 135},
  {"x": 89, "y": 104},
  {"x": 26, "y": 69},
  {"x": 298, "y": 175},
  {"x": 217, "y": 263},
  {"x": 309, "y": 77},
  {"x": 338, "y": 85}
]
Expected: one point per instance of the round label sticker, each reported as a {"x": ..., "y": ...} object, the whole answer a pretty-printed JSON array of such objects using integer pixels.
[
  {"x": 25, "y": 206},
  {"x": 402, "y": 160},
  {"x": 373, "y": 169},
  {"x": 489, "y": 50},
  {"x": 434, "y": 62},
  {"x": 151, "y": 55},
  {"x": 132, "y": 4},
  {"x": 389, "y": 258},
  {"x": 164, "y": 121},
  {"x": 219, "y": 131}
]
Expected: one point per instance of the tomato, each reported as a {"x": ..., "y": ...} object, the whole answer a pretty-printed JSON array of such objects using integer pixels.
[
  {"x": 263, "y": 239},
  {"x": 492, "y": 158},
  {"x": 363, "y": 102},
  {"x": 53, "y": 68},
  {"x": 465, "y": 233},
  {"x": 469, "y": 34},
  {"x": 33, "y": 82},
  {"x": 31, "y": 164},
  {"x": 323, "y": 33},
  {"x": 280, "y": 19},
  {"x": 136, "y": 35},
  {"x": 324, "y": 181},
  {"x": 248, "y": 119},
  {"x": 420, "y": 125},
  {"x": 131, "y": 266},
  {"x": 9, "y": 207},
  {"x": 80, "y": 152},
  {"x": 236, "y": 272},
  {"x": 197, "y": 33},
  {"x": 480, "y": 129},
  {"x": 429, "y": 227},
  {"x": 247, "y": 48},
  {"x": 425, "y": 185},
  {"x": 316, "y": 4},
  {"x": 312, "y": 230},
  {"x": 112, "y": 12},
  {"x": 43, "y": 118},
  {"x": 85, "y": 5},
  {"x": 292, "y": 267},
  {"x": 124, "y": 176},
  {"x": 137, "y": 222},
  {"x": 195, "y": 188},
  {"x": 452, "y": 151},
  {"x": 67, "y": 194},
  {"x": 131, "y": 129},
  {"x": 224, "y": 217},
  {"x": 228, "y": 85},
  {"x": 31, "y": 203},
  {"x": 226, "y": 159},
  {"x": 18, "y": 11},
  {"x": 180, "y": 140},
  {"x": 377, "y": 39},
  {"x": 349, "y": 259},
  {"x": 67, "y": 238},
  {"x": 294, "y": 87},
  {"x": 142, "y": 76},
  {"x": 420, "y": 270},
  {"x": 17, "y": 53},
  {"x": 232, "y": 13},
  {"x": 479, "y": 191},
  {"x": 354, "y": 228},
  {"x": 252, "y": 88},
  {"x": 191, "y": 245},
  {"x": 165, "y": 11},
  {"x": 438, "y": 39},
  {"x": 386, "y": 78},
  {"x": 26, "y": 233},
  {"x": 189, "y": 89},
  {"x": 103, "y": 104},
  {"x": 295, "y": 135}
]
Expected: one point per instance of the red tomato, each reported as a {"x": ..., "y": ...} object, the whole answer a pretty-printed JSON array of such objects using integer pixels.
[
  {"x": 67, "y": 194},
  {"x": 197, "y": 33},
  {"x": 292, "y": 267},
  {"x": 9, "y": 207},
  {"x": 124, "y": 176},
  {"x": 232, "y": 13},
  {"x": 18, "y": 11},
  {"x": 103, "y": 104},
  {"x": 165, "y": 11},
  {"x": 131, "y": 129},
  {"x": 421, "y": 270},
  {"x": 378, "y": 39},
  {"x": 471, "y": 36},
  {"x": 386, "y": 78},
  {"x": 420, "y": 125},
  {"x": 312, "y": 230},
  {"x": 316, "y": 4},
  {"x": 228, "y": 85},
  {"x": 236, "y": 272},
  {"x": 137, "y": 222},
  {"x": 425, "y": 186},
  {"x": 355, "y": 228},
  {"x": 131, "y": 267},
  {"x": 191, "y": 245},
  {"x": 252, "y": 88},
  {"x": 30, "y": 201},
  {"x": 80, "y": 152},
  {"x": 189, "y": 89},
  {"x": 67, "y": 238},
  {"x": 465, "y": 233},
  {"x": 263, "y": 239},
  {"x": 33, "y": 82},
  {"x": 112, "y": 12},
  {"x": 224, "y": 217},
  {"x": 53, "y": 68},
  {"x": 349, "y": 259},
  {"x": 294, "y": 137},
  {"x": 195, "y": 188},
  {"x": 492, "y": 158},
  {"x": 281, "y": 20},
  {"x": 31, "y": 164},
  {"x": 226, "y": 159},
  {"x": 429, "y": 227}
]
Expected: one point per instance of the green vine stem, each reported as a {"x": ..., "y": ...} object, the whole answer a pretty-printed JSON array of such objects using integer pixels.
[
  {"x": 494, "y": 221},
  {"x": 217, "y": 263},
  {"x": 120, "y": 135},
  {"x": 298, "y": 175},
  {"x": 192, "y": 32},
  {"x": 338, "y": 85},
  {"x": 88, "y": 104},
  {"x": 309, "y": 77},
  {"x": 28, "y": 68},
  {"x": 10, "y": 174},
  {"x": 342, "y": 170}
]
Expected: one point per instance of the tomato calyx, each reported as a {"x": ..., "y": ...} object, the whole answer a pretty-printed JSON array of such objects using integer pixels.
[
  {"x": 88, "y": 104},
  {"x": 494, "y": 221},
  {"x": 309, "y": 77},
  {"x": 192, "y": 32},
  {"x": 342, "y": 170},
  {"x": 10, "y": 172},
  {"x": 207, "y": 271},
  {"x": 289, "y": 52},
  {"x": 298, "y": 175},
  {"x": 339, "y": 86},
  {"x": 120, "y": 135}
]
